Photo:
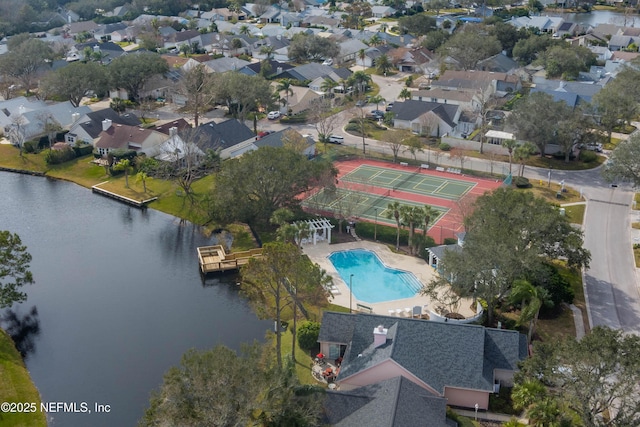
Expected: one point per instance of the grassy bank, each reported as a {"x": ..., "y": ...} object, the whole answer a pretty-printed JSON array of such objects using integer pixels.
[{"x": 16, "y": 386}]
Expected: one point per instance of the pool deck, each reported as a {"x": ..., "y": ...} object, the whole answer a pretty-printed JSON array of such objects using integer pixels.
[{"x": 320, "y": 253}]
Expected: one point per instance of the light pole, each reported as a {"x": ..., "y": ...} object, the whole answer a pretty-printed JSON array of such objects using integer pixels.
[
  {"x": 350, "y": 294},
  {"x": 375, "y": 226},
  {"x": 476, "y": 406}
]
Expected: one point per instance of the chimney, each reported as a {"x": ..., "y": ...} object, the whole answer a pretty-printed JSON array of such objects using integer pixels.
[
  {"x": 173, "y": 131},
  {"x": 379, "y": 336},
  {"x": 278, "y": 70},
  {"x": 106, "y": 124}
]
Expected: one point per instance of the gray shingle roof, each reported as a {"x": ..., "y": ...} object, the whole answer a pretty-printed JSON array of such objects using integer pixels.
[
  {"x": 223, "y": 135},
  {"x": 393, "y": 402},
  {"x": 411, "y": 110},
  {"x": 439, "y": 251},
  {"x": 439, "y": 354},
  {"x": 93, "y": 127}
]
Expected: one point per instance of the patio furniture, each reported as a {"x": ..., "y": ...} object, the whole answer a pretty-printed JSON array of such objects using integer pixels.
[{"x": 391, "y": 312}]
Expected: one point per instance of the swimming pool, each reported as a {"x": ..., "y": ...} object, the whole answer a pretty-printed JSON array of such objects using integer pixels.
[{"x": 373, "y": 281}]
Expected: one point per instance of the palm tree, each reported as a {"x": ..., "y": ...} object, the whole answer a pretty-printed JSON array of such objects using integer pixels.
[
  {"x": 327, "y": 85},
  {"x": 124, "y": 165},
  {"x": 142, "y": 177},
  {"x": 377, "y": 100},
  {"x": 375, "y": 40},
  {"x": 267, "y": 50},
  {"x": 362, "y": 54},
  {"x": 428, "y": 212},
  {"x": 531, "y": 298},
  {"x": 244, "y": 30},
  {"x": 510, "y": 144},
  {"x": 285, "y": 85},
  {"x": 527, "y": 393},
  {"x": 360, "y": 80},
  {"x": 523, "y": 152},
  {"x": 383, "y": 64},
  {"x": 405, "y": 93},
  {"x": 393, "y": 211},
  {"x": 411, "y": 216}
]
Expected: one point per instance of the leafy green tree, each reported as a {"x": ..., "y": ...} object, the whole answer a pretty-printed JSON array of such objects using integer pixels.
[
  {"x": 470, "y": 46},
  {"x": 510, "y": 235},
  {"x": 308, "y": 333},
  {"x": 417, "y": 25},
  {"x": 434, "y": 39},
  {"x": 405, "y": 93},
  {"x": 14, "y": 269},
  {"x": 252, "y": 187},
  {"x": 241, "y": 93},
  {"x": 624, "y": 161},
  {"x": 527, "y": 393},
  {"x": 132, "y": 71},
  {"x": 506, "y": 34},
  {"x": 393, "y": 212},
  {"x": 596, "y": 378},
  {"x": 220, "y": 387},
  {"x": 307, "y": 47},
  {"x": 436, "y": 5},
  {"x": 526, "y": 50},
  {"x": 617, "y": 102},
  {"x": 236, "y": 44},
  {"x": 25, "y": 60},
  {"x": 75, "y": 81},
  {"x": 532, "y": 110},
  {"x": 566, "y": 61}
]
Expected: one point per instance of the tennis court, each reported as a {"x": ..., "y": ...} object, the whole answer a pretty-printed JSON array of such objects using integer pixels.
[
  {"x": 365, "y": 188},
  {"x": 409, "y": 181}
]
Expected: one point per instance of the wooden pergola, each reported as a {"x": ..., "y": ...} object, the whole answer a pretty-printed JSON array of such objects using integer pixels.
[{"x": 319, "y": 229}]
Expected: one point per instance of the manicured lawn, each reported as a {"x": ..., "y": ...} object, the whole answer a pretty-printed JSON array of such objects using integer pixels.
[
  {"x": 10, "y": 158},
  {"x": 79, "y": 170},
  {"x": 575, "y": 213},
  {"x": 544, "y": 162},
  {"x": 16, "y": 386},
  {"x": 635, "y": 225},
  {"x": 549, "y": 193},
  {"x": 636, "y": 198},
  {"x": 562, "y": 325},
  {"x": 303, "y": 359},
  {"x": 636, "y": 255}
]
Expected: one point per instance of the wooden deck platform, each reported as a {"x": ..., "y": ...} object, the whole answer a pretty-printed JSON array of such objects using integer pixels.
[{"x": 214, "y": 258}]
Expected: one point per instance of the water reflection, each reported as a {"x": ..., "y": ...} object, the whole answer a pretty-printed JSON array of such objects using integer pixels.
[{"x": 23, "y": 329}]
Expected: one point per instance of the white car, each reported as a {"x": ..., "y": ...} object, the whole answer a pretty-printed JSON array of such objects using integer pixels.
[
  {"x": 273, "y": 115},
  {"x": 336, "y": 139}
]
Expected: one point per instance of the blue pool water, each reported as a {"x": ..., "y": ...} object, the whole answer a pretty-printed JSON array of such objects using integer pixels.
[{"x": 372, "y": 281}]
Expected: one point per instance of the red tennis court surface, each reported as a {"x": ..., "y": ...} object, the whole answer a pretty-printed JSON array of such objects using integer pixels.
[{"x": 413, "y": 185}]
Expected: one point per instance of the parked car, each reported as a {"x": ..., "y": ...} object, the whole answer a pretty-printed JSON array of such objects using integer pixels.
[
  {"x": 328, "y": 62},
  {"x": 595, "y": 147},
  {"x": 264, "y": 133},
  {"x": 361, "y": 103},
  {"x": 336, "y": 139},
  {"x": 389, "y": 106},
  {"x": 273, "y": 115},
  {"x": 377, "y": 114}
]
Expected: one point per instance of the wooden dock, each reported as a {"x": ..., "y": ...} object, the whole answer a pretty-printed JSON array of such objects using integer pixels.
[{"x": 214, "y": 258}]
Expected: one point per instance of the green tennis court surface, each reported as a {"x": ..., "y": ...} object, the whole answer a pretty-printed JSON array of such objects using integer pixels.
[
  {"x": 351, "y": 203},
  {"x": 411, "y": 182}
]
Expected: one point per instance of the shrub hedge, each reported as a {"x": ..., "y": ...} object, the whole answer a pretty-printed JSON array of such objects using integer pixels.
[
  {"x": 54, "y": 157},
  {"x": 384, "y": 233},
  {"x": 444, "y": 146}
]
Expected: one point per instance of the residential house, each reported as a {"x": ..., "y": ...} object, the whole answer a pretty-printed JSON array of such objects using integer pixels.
[
  {"x": 436, "y": 254},
  {"x": 371, "y": 54},
  {"x": 222, "y": 65},
  {"x": 123, "y": 137},
  {"x": 418, "y": 60},
  {"x": 180, "y": 125},
  {"x": 602, "y": 53},
  {"x": 462, "y": 363},
  {"x": 430, "y": 118},
  {"x": 275, "y": 67},
  {"x": 546, "y": 24},
  {"x": 178, "y": 38},
  {"x": 87, "y": 127},
  {"x": 302, "y": 99},
  {"x": 382, "y": 11},
  {"x": 177, "y": 151},
  {"x": 572, "y": 93},
  {"x": 272, "y": 15},
  {"x": 486, "y": 82},
  {"x": 272, "y": 140},
  {"x": 349, "y": 50},
  {"x": 223, "y": 135},
  {"x": 388, "y": 403},
  {"x": 23, "y": 119},
  {"x": 624, "y": 56},
  {"x": 223, "y": 14},
  {"x": 106, "y": 51},
  {"x": 72, "y": 29},
  {"x": 109, "y": 32},
  {"x": 567, "y": 29},
  {"x": 312, "y": 71},
  {"x": 499, "y": 63},
  {"x": 621, "y": 42},
  {"x": 466, "y": 99}
]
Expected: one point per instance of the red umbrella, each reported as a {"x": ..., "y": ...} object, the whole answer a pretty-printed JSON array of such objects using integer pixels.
[{"x": 320, "y": 356}]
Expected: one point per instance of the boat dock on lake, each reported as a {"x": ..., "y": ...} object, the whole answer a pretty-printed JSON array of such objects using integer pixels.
[{"x": 214, "y": 258}]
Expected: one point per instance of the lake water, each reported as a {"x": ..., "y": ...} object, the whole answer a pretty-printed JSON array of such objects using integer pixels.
[
  {"x": 118, "y": 295},
  {"x": 602, "y": 17}
]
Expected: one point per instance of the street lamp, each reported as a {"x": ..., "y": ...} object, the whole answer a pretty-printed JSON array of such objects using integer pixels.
[
  {"x": 350, "y": 294},
  {"x": 375, "y": 226},
  {"x": 476, "y": 406}
]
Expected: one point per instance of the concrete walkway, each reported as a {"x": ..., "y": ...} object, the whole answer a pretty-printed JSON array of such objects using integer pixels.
[{"x": 489, "y": 416}]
